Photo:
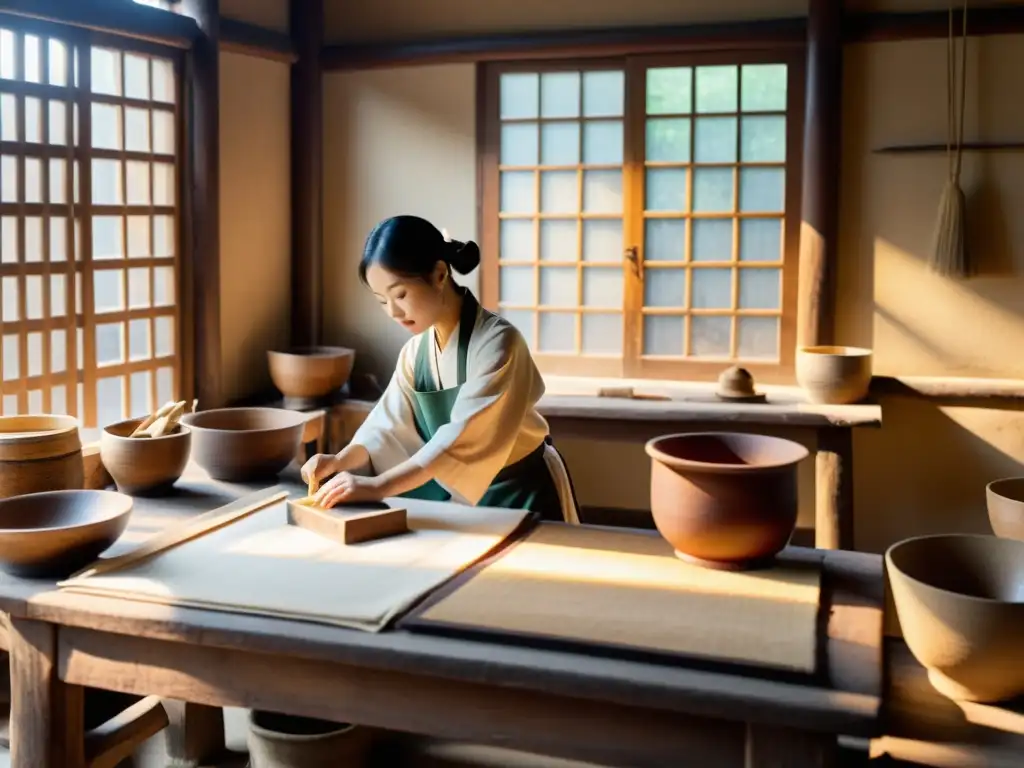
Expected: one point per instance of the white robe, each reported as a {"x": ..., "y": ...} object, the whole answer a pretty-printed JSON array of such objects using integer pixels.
[{"x": 494, "y": 422}]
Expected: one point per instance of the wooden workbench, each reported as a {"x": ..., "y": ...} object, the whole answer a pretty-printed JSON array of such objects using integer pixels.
[
  {"x": 557, "y": 703},
  {"x": 574, "y": 411}
]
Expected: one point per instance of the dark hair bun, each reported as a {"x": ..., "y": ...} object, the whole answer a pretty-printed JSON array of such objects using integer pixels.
[{"x": 463, "y": 257}]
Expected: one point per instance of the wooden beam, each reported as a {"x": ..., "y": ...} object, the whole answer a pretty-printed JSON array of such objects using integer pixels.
[
  {"x": 950, "y": 388},
  {"x": 116, "y": 16},
  {"x": 886, "y": 27},
  {"x": 567, "y": 44},
  {"x": 819, "y": 227},
  {"x": 251, "y": 40},
  {"x": 202, "y": 341},
  {"x": 857, "y": 28},
  {"x": 307, "y": 29}
]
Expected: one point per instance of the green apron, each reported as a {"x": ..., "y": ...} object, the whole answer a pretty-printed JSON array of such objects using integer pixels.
[{"x": 527, "y": 484}]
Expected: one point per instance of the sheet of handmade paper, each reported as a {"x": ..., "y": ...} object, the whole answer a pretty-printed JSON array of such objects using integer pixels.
[
  {"x": 626, "y": 589},
  {"x": 262, "y": 565}
]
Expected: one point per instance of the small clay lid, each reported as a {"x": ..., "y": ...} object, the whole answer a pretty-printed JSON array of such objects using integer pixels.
[{"x": 736, "y": 382}]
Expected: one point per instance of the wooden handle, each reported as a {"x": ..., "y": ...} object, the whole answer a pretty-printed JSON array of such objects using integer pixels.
[{"x": 192, "y": 529}]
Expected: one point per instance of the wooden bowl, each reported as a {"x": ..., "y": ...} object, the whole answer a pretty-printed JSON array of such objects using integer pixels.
[
  {"x": 725, "y": 500},
  {"x": 144, "y": 465},
  {"x": 310, "y": 372},
  {"x": 960, "y": 602},
  {"x": 39, "y": 453},
  {"x": 244, "y": 444},
  {"x": 1005, "y": 501},
  {"x": 54, "y": 534},
  {"x": 835, "y": 375}
]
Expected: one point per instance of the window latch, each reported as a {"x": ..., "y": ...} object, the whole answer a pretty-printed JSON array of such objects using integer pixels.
[{"x": 633, "y": 256}]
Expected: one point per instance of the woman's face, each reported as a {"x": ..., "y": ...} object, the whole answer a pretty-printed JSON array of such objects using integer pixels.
[{"x": 412, "y": 302}]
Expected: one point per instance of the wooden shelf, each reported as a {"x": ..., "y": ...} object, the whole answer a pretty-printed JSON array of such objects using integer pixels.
[{"x": 920, "y": 149}]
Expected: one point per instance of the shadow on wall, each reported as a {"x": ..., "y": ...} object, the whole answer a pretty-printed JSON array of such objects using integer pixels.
[{"x": 925, "y": 471}]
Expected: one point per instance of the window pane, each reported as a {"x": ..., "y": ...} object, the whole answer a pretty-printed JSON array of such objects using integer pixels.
[
  {"x": 136, "y": 76},
  {"x": 603, "y": 287},
  {"x": 558, "y": 240},
  {"x": 602, "y": 240},
  {"x": 761, "y": 240},
  {"x": 557, "y": 332},
  {"x": 517, "y": 192},
  {"x": 715, "y": 141},
  {"x": 665, "y": 288},
  {"x": 712, "y": 288},
  {"x": 764, "y": 87},
  {"x": 712, "y": 190},
  {"x": 517, "y": 241},
  {"x": 710, "y": 336},
  {"x": 663, "y": 335},
  {"x": 762, "y": 189},
  {"x": 665, "y": 240},
  {"x": 136, "y": 129},
  {"x": 757, "y": 338},
  {"x": 560, "y": 143},
  {"x": 669, "y": 90},
  {"x": 717, "y": 89},
  {"x": 519, "y": 144},
  {"x": 106, "y": 71},
  {"x": 603, "y": 94},
  {"x": 668, "y": 140},
  {"x": 523, "y": 320},
  {"x": 763, "y": 140},
  {"x": 760, "y": 288},
  {"x": 519, "y": 95},
  {"x": 602, "y": 191},
  {"x": 560, "y": 94},
  {"x": 559, "y": 192},
  {"x": 558, "y": 287},
  {"x": 106, "y": 126},
  {"x": 712, "y": 240},
  {"x": 164, "y": 332},
  {"x": 666, "y": 189},
  {"x": 517, "y": 286},
  {"x": 602, "y": 142}
]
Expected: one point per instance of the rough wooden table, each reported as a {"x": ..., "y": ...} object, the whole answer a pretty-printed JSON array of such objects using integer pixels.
[
  {"x": 556, "y": 703},
  {"x": 585, "y": 416}
]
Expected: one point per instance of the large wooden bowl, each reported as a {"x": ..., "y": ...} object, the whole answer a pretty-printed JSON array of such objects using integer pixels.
[
  {"x": 960, "y": 602},
  {"x": 144, "y": 466},
  {"x": 1005, "y": 501},
  {"x": 38, "y": 453},
  {"x": 310, "y": 372},
  {"x": 245, "y": 444},
  {"x": 54, "y": 534},
  {"x": 723, "y": 499}
]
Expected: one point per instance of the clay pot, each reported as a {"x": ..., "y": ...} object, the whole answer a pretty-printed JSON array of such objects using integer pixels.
[
  {"x": 835, "y": 375},
  {"x": 286, "y": 741},
  {"x": 1005, "y": 501},
  {"x": 310, "y": 372},
  {"x": 39, "y": 453},
  {"x": 245, "y": 444},
  {"x": 958, "y": 599},
  {"x": 144, "y": 465},
  {"x": 54, "y": 534},
  {"x": 722, "y": 499}
]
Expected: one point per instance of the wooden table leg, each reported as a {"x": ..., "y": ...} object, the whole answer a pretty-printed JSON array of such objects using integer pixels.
[
  {"x": 47, "y": 715},
  {"x": 833, "y": 487},
  {"x": 195, "y": 732},
  {"x": 790, "y": 748}
]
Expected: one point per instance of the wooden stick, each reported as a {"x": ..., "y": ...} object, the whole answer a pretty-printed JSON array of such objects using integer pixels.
[
  {"x": 179, "y": 534},
  {"x": 163, "y": 410}
]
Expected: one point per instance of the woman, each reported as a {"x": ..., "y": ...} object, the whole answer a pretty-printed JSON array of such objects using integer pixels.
[{"x": 458, "y": 420}]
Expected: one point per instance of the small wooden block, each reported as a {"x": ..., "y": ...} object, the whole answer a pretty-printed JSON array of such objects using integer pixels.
[{"x": 348, "y": 527}]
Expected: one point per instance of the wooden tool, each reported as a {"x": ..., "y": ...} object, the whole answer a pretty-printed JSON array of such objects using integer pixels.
[{"x": 347, "y": 527}]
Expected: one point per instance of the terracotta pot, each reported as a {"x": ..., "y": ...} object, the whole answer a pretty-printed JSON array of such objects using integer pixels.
[
  {"x": 310, "y": 372},
  {"x": 39, "y": 453},
  {"x": 286, "y": 741},
  {"x": 243, "y": 444},
  {"x": 144, "y": 465},
  {"x": 958, "y": 599},
  {"x": 57, "y": 533},
  {"x": 1005, "y": 501},
  {"x": 723, "y": 499},
  {"x": 836, "y": 375}
]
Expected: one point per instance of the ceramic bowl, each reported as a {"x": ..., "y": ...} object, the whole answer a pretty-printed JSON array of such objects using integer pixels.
[
  {"x": 960, "y": 602},
  {"x": 1005, "y": 501},
  {"x": 724, "y": 499},
  {"x": 144, "y": 465},
  {"x": 56, "y": 533},
  {"x": 310, "y": 372},
  {"x": 245, "y": 444},
  {"x": 834, "y": 375},
  {"x": 277, "y": 741}
]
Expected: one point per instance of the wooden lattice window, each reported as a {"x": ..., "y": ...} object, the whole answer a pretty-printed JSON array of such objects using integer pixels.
[
  {"x": 90, "y": 257},
  {"x": 640, "y": 216}
]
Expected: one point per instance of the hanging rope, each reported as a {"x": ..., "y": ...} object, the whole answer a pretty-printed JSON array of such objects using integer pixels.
[{"x": 950, "y": 255}]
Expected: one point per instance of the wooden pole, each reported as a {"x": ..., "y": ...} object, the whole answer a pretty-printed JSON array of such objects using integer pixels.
[
  {"x": 307, "y": 30},
  {"x": 202, "y": 202},
  {"x": 821, "y": 161}
]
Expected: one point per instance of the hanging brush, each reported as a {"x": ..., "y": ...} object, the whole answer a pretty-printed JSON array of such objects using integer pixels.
[{"x": 950, "y": 255}]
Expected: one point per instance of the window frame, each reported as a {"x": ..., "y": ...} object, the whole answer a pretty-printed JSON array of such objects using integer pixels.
[
  {"x": 631, "y": 363},
  {"x": 79, "y": 266}
]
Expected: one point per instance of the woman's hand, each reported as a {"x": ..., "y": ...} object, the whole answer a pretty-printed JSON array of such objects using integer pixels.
[
  {"x": 318, "y": 467},
  {"x": 346, "y": 488}
]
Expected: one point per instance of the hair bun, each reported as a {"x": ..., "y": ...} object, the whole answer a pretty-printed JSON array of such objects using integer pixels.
[{"x": 462, "y": 257}]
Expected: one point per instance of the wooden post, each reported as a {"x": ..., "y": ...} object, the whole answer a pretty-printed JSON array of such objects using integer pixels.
[
  {"x": 821, "y": 161},
  {"x": 195, "y": 733},
  {"x": 307, "y": 30},
  {"x": 833, "y": 485},
  {"x": 202, "y": 201},
  {"x": 47, "y": 716}
]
